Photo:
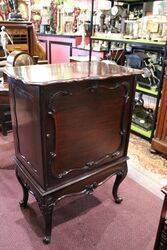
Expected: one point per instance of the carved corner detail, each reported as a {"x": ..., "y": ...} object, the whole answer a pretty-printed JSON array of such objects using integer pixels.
[
  {"x": 89, "y": 165},
  {"x": 90, "y": 189},
  {"x": 52, "y": 100}
]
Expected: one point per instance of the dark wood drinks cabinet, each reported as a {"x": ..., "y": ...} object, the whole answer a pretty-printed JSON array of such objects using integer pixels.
[{"x": 71, "y": 126}]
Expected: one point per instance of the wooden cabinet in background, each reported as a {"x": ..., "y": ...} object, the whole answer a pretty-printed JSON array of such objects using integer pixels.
[
  {"x": 24, "y": 38},
  {"x": 159, "y": 142},
  {"x": 60, "y": 48}
]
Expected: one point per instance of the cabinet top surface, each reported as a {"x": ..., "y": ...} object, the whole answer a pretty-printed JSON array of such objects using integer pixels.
[{"x": 67, "y": 72}]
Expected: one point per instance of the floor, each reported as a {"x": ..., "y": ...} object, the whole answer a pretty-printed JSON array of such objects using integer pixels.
[
  {"x": 139, "y": 151},
  {"x": 92, "y": 222},
  {"x": 87, "y": 222},
  {"x": 149, "y": 170}
]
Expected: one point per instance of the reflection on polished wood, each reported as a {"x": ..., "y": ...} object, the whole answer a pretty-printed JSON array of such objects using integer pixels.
[
  {"x": 24, "y": 39},
  {"x": 77, "y": 71},
  {"x": 71, "y": 127}
]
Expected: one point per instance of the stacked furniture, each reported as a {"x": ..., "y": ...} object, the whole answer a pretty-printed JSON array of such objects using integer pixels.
[
  {"x": 24, "y": 39},
  {"x": 59, "y": 48}
]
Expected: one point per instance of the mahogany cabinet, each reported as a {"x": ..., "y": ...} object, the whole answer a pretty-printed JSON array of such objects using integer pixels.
[
  {"x": 71, "y": 127},
  {"x": 159, "y": 142}
]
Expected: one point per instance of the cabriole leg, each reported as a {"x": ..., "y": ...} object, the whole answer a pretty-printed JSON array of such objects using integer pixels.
[
  {"x": 119, "y": 178},
  {"x": 25, "y": 189},
  {"x": 47, "y": 211}
]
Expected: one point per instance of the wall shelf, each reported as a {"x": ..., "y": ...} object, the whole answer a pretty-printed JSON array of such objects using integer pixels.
[
  {"x": 150, "y": 92},
  {"x": 140, "y": 131}
]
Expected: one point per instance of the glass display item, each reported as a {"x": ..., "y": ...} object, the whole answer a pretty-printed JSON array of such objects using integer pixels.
[{"x": 114, "y": 10}]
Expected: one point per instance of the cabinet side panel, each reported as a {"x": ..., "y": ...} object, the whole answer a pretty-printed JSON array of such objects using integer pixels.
[{"x": 26, "y": 123}]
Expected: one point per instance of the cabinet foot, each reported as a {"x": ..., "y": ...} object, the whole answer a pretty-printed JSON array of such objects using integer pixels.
[
  {"x": 46, "y": 239},
  {"x": 46, "y": 207},
  {"x": 23, "y": 203},
  {"x": 118, "y": 199},
  {"x": 153, "y": 151},
  {"x": 119, "y": 178},
  {"x": 4, "y": 132}
]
